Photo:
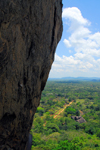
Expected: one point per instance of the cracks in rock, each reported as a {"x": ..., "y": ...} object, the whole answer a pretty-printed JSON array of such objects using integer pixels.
[
  {"x": 19, "y": 90},
  {"x": 8, "y": 118},
  {"x": 30, "y": 51},
  {"x": 41, "y": 78},
  {"x": 24, "y": 76},
  {"x": 28, "y": 104},
  {"x": 53, "y": 30}
]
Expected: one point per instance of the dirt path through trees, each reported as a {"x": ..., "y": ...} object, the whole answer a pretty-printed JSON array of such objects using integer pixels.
[
  {"x": 81, "y": 113},
  {"x": 61, "y": 110}
]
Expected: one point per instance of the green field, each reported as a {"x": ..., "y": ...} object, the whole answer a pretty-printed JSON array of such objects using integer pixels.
[{"x": 53, "y": 128}]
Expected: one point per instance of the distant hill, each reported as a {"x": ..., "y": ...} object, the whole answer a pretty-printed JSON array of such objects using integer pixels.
[{"x": 94, "y": 79}]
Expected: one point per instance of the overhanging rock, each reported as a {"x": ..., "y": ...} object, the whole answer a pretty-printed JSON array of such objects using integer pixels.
[{"x": 29, "y": 33}]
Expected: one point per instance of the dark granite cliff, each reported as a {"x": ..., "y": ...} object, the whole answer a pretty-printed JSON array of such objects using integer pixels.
[{"x": 29, "y": 33}]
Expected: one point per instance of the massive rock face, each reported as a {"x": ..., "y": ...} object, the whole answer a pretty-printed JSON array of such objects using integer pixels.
[{"x": 29, "y": 33}]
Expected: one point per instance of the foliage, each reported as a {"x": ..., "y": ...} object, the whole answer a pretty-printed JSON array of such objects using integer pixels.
[
  {"x": 40, "y": 111},
  {"x": 62, "y": 132},
  {"x": 70, "y": 110},
  {"x": 65, "y": 145}
]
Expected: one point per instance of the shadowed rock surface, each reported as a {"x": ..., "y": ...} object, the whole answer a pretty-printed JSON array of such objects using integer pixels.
[
  {"x": 78, "y": 119},
  {"x": 29, "y": 33}
]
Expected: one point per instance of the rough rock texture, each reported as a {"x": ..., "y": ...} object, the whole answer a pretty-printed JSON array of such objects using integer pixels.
[
  {"x": 78, "y": 119},
  {"x": 29, "y": 33}
]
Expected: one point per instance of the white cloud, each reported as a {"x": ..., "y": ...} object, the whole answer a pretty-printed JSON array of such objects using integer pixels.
[
  {"x": 67, "y": 43},
  {"x": 75, "y": 17},
  {"x": 81, "y": 37},
  {"x": 85, "y": 59},
  {"x": 73, "y": 66},
  {"x": 69, "y": 62},
  {"x": 96, "y": 38}
]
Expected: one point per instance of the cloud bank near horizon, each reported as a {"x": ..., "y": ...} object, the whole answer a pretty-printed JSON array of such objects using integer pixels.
[{"x": 83, "y": 46}]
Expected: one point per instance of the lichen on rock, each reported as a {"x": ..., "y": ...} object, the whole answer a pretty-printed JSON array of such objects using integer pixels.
[{"x": 29, "y": 33}]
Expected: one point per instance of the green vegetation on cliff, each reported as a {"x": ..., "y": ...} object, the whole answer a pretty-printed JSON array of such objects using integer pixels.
[{"x": 53, "y": 127}]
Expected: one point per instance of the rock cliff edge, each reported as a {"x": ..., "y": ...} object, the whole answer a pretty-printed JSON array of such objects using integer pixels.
[{"x": 29, "y": 33}]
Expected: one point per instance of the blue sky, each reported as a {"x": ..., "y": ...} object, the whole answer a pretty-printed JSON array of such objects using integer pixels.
[{"x": 78, "y": 52}]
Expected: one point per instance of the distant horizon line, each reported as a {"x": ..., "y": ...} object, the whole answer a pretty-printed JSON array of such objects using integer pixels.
[{"x": 71, "y": 77}]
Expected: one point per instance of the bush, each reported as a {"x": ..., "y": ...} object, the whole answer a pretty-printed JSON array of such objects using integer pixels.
[
  {"x": 38, "y": 125},
  {"x": 36, "y": 139},
  {"x": 50, "y": 128},
  {"x": 90, "y": 130},
  {"x": 40, "y": 110},
  {"x": 97, "y": 108},
  {"x": 98, "y": 133},
  {"x": 70, "y": 110},
  {"x": 65, "y": 145}
]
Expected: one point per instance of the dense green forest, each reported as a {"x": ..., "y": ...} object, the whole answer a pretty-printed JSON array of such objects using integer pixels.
[{"x": 53, "y": 127}]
